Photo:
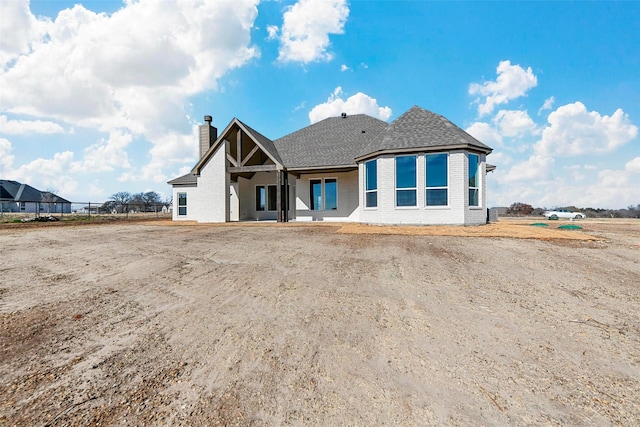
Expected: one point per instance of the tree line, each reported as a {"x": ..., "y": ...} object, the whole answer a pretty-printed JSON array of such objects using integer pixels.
[
  {"x": 524, "y": 209},
  {"x": 125, "y": 202}
]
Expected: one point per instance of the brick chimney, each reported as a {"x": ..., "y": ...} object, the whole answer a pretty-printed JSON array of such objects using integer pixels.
[{"x": 208, "y": 135}]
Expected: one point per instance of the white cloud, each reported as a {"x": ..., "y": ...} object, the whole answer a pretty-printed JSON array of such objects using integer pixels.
[
  {"x": 609, "y": 189},
  {"x": 18, "y": 29},
  {"x": 306, "y": 28},
  {"x": 574, "y": 131},
  {"x": 6, "y": 158},
  {"x": 548, "y": 104},
  {"x": 272, "y": 31},
  {"x": 344, "y": 68},
  {"x": 131, "y": 71},
  {"x": 500, "y": 159},
  {"x": 633, "y": 165},
  {"x": 485, "y": 133},
  {"x": 19, "y": 127},
  {"x": 356, "y": 104},
  {"x": 514, "y": 123},
  {"x": 106, "y": 155},
  {"x": 512, "y": 82},
  {"x": 47, "y": 173},
  {"x": 173, "y": 48},
  {"x": 535, "y": 168},
  {"x": 170, "y": 150}
]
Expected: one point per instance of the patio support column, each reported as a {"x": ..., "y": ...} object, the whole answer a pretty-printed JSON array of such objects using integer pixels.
[
  {"x": 279, "y": 217},
  {"x": 285, "y": 187}
]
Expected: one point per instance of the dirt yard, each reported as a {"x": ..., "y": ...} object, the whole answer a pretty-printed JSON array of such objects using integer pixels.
[{"x": 262, "y": 324}]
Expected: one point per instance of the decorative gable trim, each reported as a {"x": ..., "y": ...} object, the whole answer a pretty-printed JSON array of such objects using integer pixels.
[{"x": 223, "y": 137}]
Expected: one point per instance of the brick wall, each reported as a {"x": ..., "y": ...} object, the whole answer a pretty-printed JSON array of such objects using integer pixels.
[
  {"x": 457, "y": 212},
  {"x": 191, "y": 200},
  {"x": 212, "y": 195}
]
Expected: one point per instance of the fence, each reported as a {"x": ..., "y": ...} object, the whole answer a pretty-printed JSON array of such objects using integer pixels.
[{"x": 38, "y": 208}]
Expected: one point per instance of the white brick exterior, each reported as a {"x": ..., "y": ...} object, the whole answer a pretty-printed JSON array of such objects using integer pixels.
[
  {"x": 190, "y": 191},
  {"x": 208, "y": 201},
  {"x": 256, "y": 163},
  {"x": 457, "y": 212},
  {"x": 212, "y": 204},
  {"x": 216, "y": 199}
]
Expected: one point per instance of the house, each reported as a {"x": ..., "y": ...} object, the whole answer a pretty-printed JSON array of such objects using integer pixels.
[
  {"x": 420, "y": 169},
  {"x": 18, "y": 197}
]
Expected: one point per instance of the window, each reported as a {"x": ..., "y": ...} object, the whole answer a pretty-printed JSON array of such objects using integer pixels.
[
  {"x": 182, "y": 204},
  {"x": 474, "y": 199},
  {"x": 316, "y": 194},
  {"x": 266, "y": 198},
  {"x": 261, "y": 198},
  {"x": 273, "y": 197},
  {"x": 330, "y": 194},
  {"x": 437, "y": 178},
  {"x": 327, "y": 194},
  {"x": 406, "y": 181},
  {"x": 371, "y": 184}
]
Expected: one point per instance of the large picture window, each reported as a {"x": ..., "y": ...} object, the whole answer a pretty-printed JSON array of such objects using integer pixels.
[
  {"x": 182, "y": 204},
  {"x": 266, "y": 198},
  {"x": 371, "y": 184},
  {"x": 437, "y": 179},
  {"x": 323, "y": 197},
  {"x": 406, "y": 181},
  {"x": 474, "y": 180}
]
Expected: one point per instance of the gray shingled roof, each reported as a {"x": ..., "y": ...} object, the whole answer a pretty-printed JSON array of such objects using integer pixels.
[
  {"x": 331, "y": 142},
  {"x": 184, "y": 179},
  {"x": 339, "y": 141},
  {"x": 265, "y": 142},
  {"x": 420, "y": 129},
  {"x": 23, "y": 192}
]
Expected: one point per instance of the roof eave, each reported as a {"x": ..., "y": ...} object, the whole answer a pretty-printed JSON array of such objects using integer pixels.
[
  {"x": 422, "y": 149},
  {"x": 322, "y": 169}
]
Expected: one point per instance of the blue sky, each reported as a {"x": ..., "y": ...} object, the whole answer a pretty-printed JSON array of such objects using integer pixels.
[{"x": 106, "y": 96}]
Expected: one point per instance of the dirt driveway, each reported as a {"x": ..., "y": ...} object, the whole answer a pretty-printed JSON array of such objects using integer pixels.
[{"x": 150, "y": 324}]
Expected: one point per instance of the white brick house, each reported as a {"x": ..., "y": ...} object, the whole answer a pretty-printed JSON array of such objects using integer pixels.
[{"x": 420, "y": 169}]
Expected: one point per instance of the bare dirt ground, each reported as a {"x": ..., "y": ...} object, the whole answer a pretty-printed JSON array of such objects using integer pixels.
[{"x": 163, "y": 324}]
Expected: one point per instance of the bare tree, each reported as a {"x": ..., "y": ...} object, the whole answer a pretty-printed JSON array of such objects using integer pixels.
[
  {"x": 136, "y": 204},
  {"x": 122, "y": 200},
  {"x": 150, "y": 199}
]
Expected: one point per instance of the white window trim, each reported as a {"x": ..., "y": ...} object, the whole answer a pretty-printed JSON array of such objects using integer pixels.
[
  {"x": 364, "y": 202},
  {"x": 395, "y": 184},
  {"x": 435, "y": 207},
  {"x": 478, "y": 183},
  {"x": 186, "y": 198}
]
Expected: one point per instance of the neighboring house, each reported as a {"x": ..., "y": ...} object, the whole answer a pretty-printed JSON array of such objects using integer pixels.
[
  {"x": 18, "y": 197},
  {"x": 420, "y": 169}
]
